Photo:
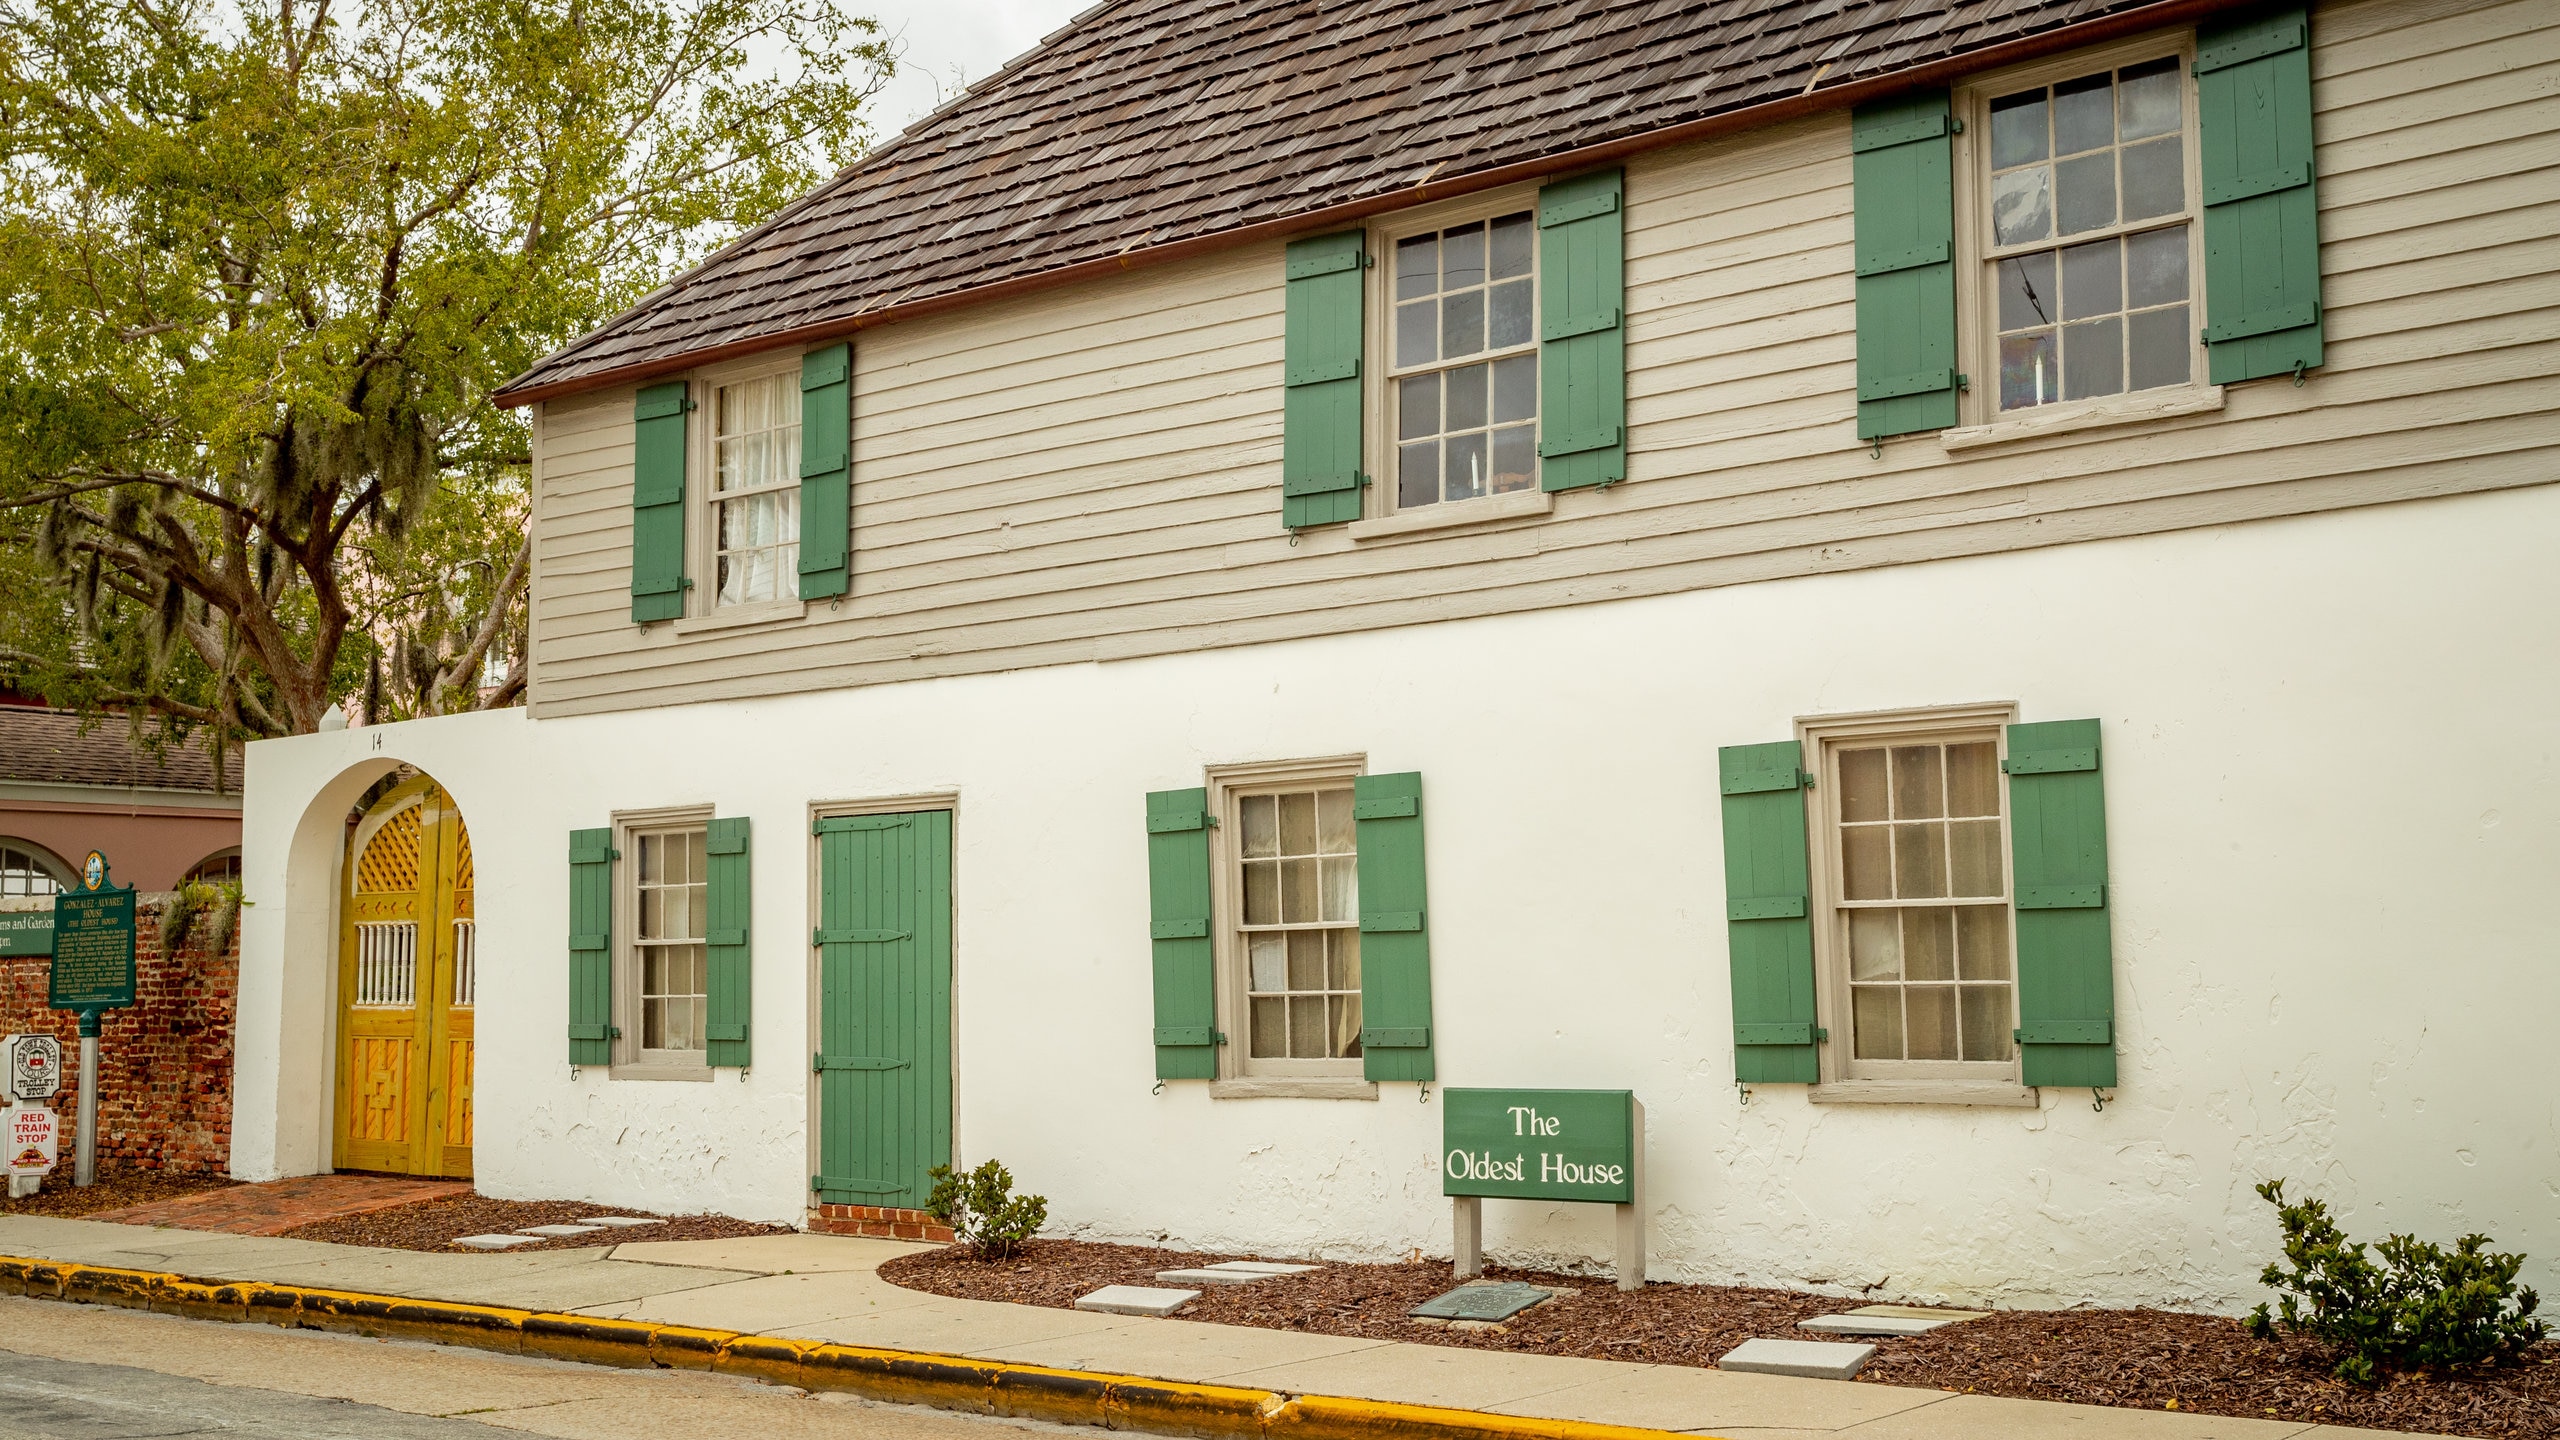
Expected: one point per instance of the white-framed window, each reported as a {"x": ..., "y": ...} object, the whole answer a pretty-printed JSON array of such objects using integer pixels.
[
  {"x": 1286, "y": 852},
  {"x": 661, "y": 971},
  {"x": 2083, "y": 214},
  {"x": 1914, "y": 936},
  {"x": 1460, "y": 334},
  {"x": 751, "y": 529},
  {"x": 29, "y": 870}
]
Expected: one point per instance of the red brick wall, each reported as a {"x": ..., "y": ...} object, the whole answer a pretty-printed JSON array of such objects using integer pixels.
[{"x": 164, "y": 1066}]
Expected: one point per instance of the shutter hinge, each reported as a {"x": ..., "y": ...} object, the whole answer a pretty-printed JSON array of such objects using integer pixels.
[
  {"x": 613, "y": 1032},
  {"x": 1955, "y": 126},
  {"x": 1820, "y": 1035},
  {"x": 1963, "y": 381}
]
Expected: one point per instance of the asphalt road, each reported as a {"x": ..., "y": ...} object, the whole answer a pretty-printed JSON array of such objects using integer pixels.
[{"x": 81, "y": 1372}]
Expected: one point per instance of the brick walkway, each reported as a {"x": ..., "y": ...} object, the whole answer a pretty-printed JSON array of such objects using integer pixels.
[{"x": 280, "y": 1205}]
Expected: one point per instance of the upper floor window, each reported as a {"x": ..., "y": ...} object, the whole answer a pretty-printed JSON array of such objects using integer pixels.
[
  {"x": 1464, "y": 372},
  {"x": 755, "y": 490},
  {"x": 2088, "y": 232}
]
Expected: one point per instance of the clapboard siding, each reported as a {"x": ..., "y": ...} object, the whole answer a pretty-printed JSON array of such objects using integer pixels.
[{"x": 1094, "y": 473}]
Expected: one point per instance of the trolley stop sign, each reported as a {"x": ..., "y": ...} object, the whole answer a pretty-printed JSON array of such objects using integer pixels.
[
  {"x": 1539, "y": 1144},
  {"x": 93, "y": 949}
]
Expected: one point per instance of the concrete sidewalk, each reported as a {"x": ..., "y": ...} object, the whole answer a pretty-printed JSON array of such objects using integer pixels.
[{"x": 826, "y": 1289}]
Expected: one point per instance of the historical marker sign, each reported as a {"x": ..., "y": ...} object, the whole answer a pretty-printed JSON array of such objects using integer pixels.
[
  {"x": 93, "y": 944},
  {"x": 1539, "y": 1144},
  {"x": 26, "y": 932}
]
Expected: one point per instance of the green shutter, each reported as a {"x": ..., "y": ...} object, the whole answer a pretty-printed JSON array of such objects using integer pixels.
[
  {"x": 591, "y": 1032},
  {"x": 1395, "y": 936},
  {"x": 657, "y": 502},
  {"x": 826, "y": 472},
  {"x": 1767, "y": 906},
  {"x": 2058, "y": 845},
  {"x": 1186, "y": 1032},
  {"x": 1905, "y": 251},
  {"x": 2261, "y": 217},
  {"x": 1320, "y": 477},
  {"x": 726, "y": 951},
  {"x": 1582, "y": 337}
]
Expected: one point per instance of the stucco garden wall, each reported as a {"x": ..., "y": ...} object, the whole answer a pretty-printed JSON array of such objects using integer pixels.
[{"x": 2334, "y": 802}]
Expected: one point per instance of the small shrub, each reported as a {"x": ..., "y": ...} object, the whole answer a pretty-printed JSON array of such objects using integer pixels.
[
  {"x": 2420, "y": 1306},
  {"x": 983, "y": 1212}
]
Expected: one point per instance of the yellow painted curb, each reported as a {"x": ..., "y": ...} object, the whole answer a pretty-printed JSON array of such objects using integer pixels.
[{"x": 905, "y": 1377}]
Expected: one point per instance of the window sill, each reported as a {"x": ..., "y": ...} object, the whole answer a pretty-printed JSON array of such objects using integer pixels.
[
  {"x": 1277, "y": 1088},
  {"x": 2047, "y": 420},
  {"x": 740, "y": 617},
  {"x": 1518, "y": 505},
  {"x": 1922, "y": 1092},
  {"x": 660, "y": 1070}
]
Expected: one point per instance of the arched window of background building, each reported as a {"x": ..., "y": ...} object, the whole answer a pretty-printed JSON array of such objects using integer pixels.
[
  {"x": 222, "y": 867},
  {"x": 27, "y": 869}
]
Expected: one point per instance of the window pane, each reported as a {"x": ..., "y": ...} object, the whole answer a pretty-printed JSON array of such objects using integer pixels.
[
  {"x": 1270, "y": 1029},
  {"x": 1510, "y": 322},
  {"x": 1986, "y": 1022},
  {"x": 1298, "y": 823},
  {"x": 1862, "y": 795},
  {"x": 1261, "y": 816},
  {"x": 1418, "y": 473},
  {"x": 1515, "y": 387},
  {"x": 2085, "y": 192},
  {"x": 2017, "y": 129},
  {"x": 1467, "y": 398},
  {"x": 1462, "y": 323},
  {"x": 1917, "y": 794},
  {"x": 650, "y": 903},
  {"x": 1919, "y": 861},
  {"x": 1417, "y": 267},
  {"x": 2163, "y": 351},
  {"x": 1929, "y": 944},
  {"x": 2030, "y": 369},
  {"x": 1866, "y": 863},
  {"x": 1462, "y": 256},
  {"x": 1306, "y": 1027},
  {"x": 2093, "y": 359},
  {"x": 1973, "y": 779},
  {"x": 653, "y": 1025},
  {"x": 1306, "y": 959},
  {"x": 1515, "y": 458},
  {"x": 1511, "y": 245},
  {"x": 1345, "y": 1012},
  {"x": 2022, "y": 206},
  {"x": 1929, "y": 1018},
  {"x": 1417, "y": 332},
  {"x": 1297, "y": 892},
  {"x": 2026, "y": 291},
  {"x": 1342, "y": 962},
  {"x": 1262, "y": 892},
  {"x": 2092, "y": 280},
  {"x": 1982, "y": 942},
  {"x": 1876, "y": 1016},
  {"x": 2083, "y": 114},
  {"x": 1974, "y": 856},
  {"x": 2155, "y": 267},
  {"x": 2155, "y": 179},
  {"x": 651, "y": 849},
  {"x": 1341, "y": 885},
  {"x": 1418, "y": 407},
  {"x": 1466, "y": 466},
  {"x": 1333, "y": 822},
  {"x": 1875, "y": 945},
  {"x": 2147, "y": 99},
  {"x": 1267, "y": 961}
]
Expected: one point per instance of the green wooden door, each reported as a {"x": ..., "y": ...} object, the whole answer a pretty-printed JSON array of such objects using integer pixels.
[{"x": 884, "y": 1007}]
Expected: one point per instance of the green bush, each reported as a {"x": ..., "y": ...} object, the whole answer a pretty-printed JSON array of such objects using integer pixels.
[
  {"x": 2421, "y": 1306},
  {"x": 983, "y": 1212}
]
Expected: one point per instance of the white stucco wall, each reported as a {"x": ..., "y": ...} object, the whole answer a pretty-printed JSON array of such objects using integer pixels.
[{"x": 2334, "y": 821}]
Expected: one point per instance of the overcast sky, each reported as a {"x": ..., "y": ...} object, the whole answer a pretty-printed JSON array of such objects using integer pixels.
[{"x": 969, "y": 38}]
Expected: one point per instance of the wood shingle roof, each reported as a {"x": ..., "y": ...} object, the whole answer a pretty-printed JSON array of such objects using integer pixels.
[{"x": 1152, "y": 128}]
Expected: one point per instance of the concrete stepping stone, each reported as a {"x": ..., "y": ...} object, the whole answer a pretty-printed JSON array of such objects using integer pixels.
[
  {"x": 495, "y": 1242},
  {"x": 1136, "y": 1300},
  {"x": 1870, "y": 1325},
  {"x": 1920, "y": 1312},
  {"x": 1804, "y": 1359},
  {"x": 620, "y": 1222},
  {"x": 1209, "y": 1275},
  {"x": 554, "y": 1232},
  {"x": 1263, "y": 1267}
]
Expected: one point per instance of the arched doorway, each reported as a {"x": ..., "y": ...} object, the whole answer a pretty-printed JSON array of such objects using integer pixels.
[{"x": 406, "y": 987}]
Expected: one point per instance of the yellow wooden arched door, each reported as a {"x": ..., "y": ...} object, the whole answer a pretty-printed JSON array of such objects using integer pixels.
[{"x": 407, "y": 983}]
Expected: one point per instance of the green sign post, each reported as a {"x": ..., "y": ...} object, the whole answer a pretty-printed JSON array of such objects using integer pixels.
[
  {"x": 92, "y": 972},
  {"x": 1577, "y": 1145},
  {"x": 26, "y": 932}
]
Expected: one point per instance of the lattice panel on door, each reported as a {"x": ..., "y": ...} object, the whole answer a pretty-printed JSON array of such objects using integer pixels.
[
  {"x": 381, "y": 1088},
  {"x": 389, "y": 865},
  {"x": 387, "y": 965},
  {"x": 457, "y": 1115},
  {"x": 461, "y": 864}
]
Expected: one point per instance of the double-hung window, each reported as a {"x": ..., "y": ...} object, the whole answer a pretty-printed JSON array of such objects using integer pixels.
[
  {"x": 2087, "y": 229},
  {"x": 1463, "y": 344},
  {"x": 1287, "y": 850},
  {"x": 666, "y": 971},
  {"x": 755, "y": 491}
]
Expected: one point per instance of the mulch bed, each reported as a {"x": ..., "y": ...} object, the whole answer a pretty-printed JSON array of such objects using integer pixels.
[
  {"x": 116, "y": 1188},
  {"x": 436, "y": 1224},
  {"x": 2145, "y": 1359}
]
